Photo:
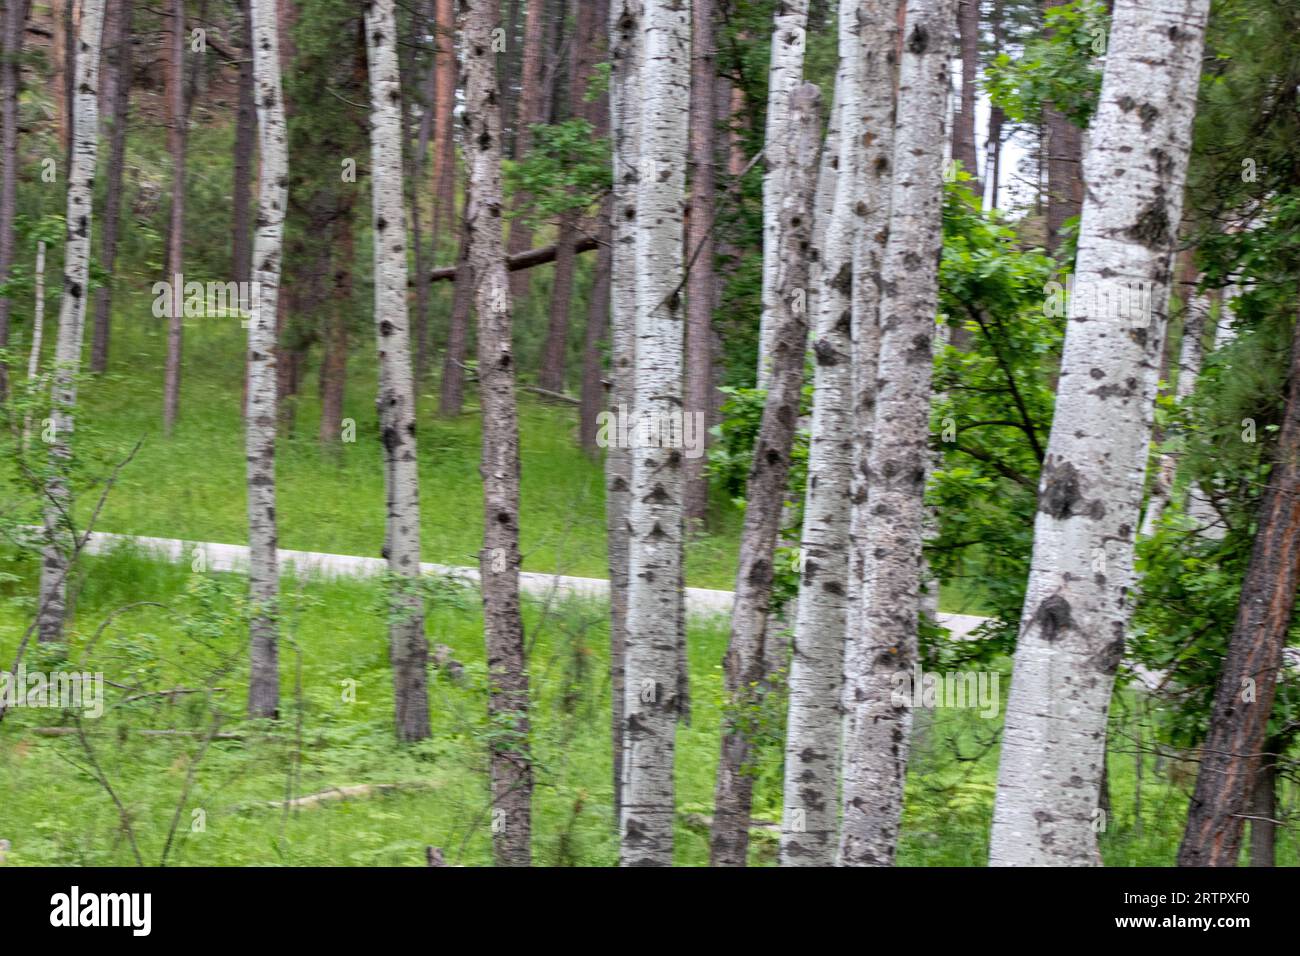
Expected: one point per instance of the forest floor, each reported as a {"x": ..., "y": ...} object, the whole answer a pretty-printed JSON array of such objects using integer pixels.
[
  {"x": 223, "y": 801},
  {"x": 335, "y": 732}
]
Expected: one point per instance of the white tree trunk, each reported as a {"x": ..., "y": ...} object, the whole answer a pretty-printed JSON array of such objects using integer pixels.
[
  {"x": 38, "y": 332},
  {"x": 72, "y": 325},
  {"x": 512, "y": 778},
  {"x": 1078, "y": 598},
  {"x": 876, "y": 728},
  {"x": 878, "y": 28},
  {"x": 625, "y": 115},
  {"x": 261, "y": 418},
  {"x": 812, "y": 743},
  {"x": 766, "y": 489},
  {"x": 784, "y": 74},
  {"x": 408, "y": 648},
  {"x": 1195, "y": 314},
  {"x": 652, "y": 694}
]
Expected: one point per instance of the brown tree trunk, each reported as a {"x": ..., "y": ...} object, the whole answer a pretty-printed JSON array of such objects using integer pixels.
[
  {"x": 176, "y": 231},
  {"x": 768, "y": 484},
  {"x": 993, "y": 146},
  {"x": 591, "y": 400},
  {"x": 1064, "y": 149},
  {"x": 413, "y": 143},
  {"x": 245, "y": 130},
  {"x": 451, "y": 397},
  {"x": 554, "y": 352},
  {"x": 963, "y": 131},
  {"x": 334, "y": 360},
  {"x": 507, "y": 70},
  {"x": 551, "y": 374},
  {"x": 444, "y": 103},
  {"x": 1263, "y": 810},
  {"x": 701, "y": 285},
  {"x": 532, "y": 109},
  {"x": 118, "y": 104},
  {"x": 15, "y": 16},
  {"x": 1244, "y": 700}
]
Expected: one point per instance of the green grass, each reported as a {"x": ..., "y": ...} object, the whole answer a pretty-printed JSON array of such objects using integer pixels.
[
  {"x": 191, "y": 485},
  {"x": 55, "y": 810}
]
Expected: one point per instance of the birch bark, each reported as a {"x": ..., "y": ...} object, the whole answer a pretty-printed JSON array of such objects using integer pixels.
[
  {"x": 512, "y": 778},
  {"x": 1078, "y": 598},
  {"x": 408, "y": 648},
  {"x": 784, "y": 74},
  {"x": 879, "y": 29},
  {"x": 652, "y": 692},
  {"x": 877, "y": 728},
  {"x": 625, "y": 126},
  {"x": 84, "y": 132},
  {"x": 1190, "y": 350},
  {"x": 261, "y": 415},
  {"x": 812, "y": 748},
  {"x": 765, "y": 490}
]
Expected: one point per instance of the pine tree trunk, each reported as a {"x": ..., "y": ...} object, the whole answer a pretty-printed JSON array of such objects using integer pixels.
[
  {"x": 512, "y": 777},
  {"x": 591, "y": 398},
  {"x": 1064, "y": 148},
  {"x": 766, "y": 489},
  {"x": 784, "y": 74},
  {"x": 176, "y": 230},
  {"x": 10, "y": 78},
  {"x": 1078, "y": 598},
  {"x": 451, "y": 396},
  {"x": 59, "y": 530},
  {"x": 656, "y": 545},
  {"x": 625, "y": 128},
  {"x": 261, "y": 417},
  {"x": 554, "y": 352},
  {"x": 810, "y": 822},
  {"x": 701, "y": 284},
  {"x": 1243, "y": 702},
  {"x": 883, "y": 641},
  {"x": 176, "y": 223},
  {"x": 334, "y": 360},
  {"x": 444, "y": 103},
  {"x": 532, "y": 109},
  {"x": 245, "y": 131},
  {"x": 1263, "y": 810},
  {"x": 118, "y": 102},
  {"x": 963, "y": 133},
  {"x": 408, "y": 648},
  {"x": 551, "y": 374},
  {"x": 415, "y": 139}
]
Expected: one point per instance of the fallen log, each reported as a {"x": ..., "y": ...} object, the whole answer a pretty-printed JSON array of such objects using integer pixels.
[{"x": 524, "y": 260}]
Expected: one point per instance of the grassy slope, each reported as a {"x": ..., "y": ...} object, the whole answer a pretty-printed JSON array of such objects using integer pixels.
[
  {"x": 54, "y": 811},
  {"x": 192, "y": 485}
]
